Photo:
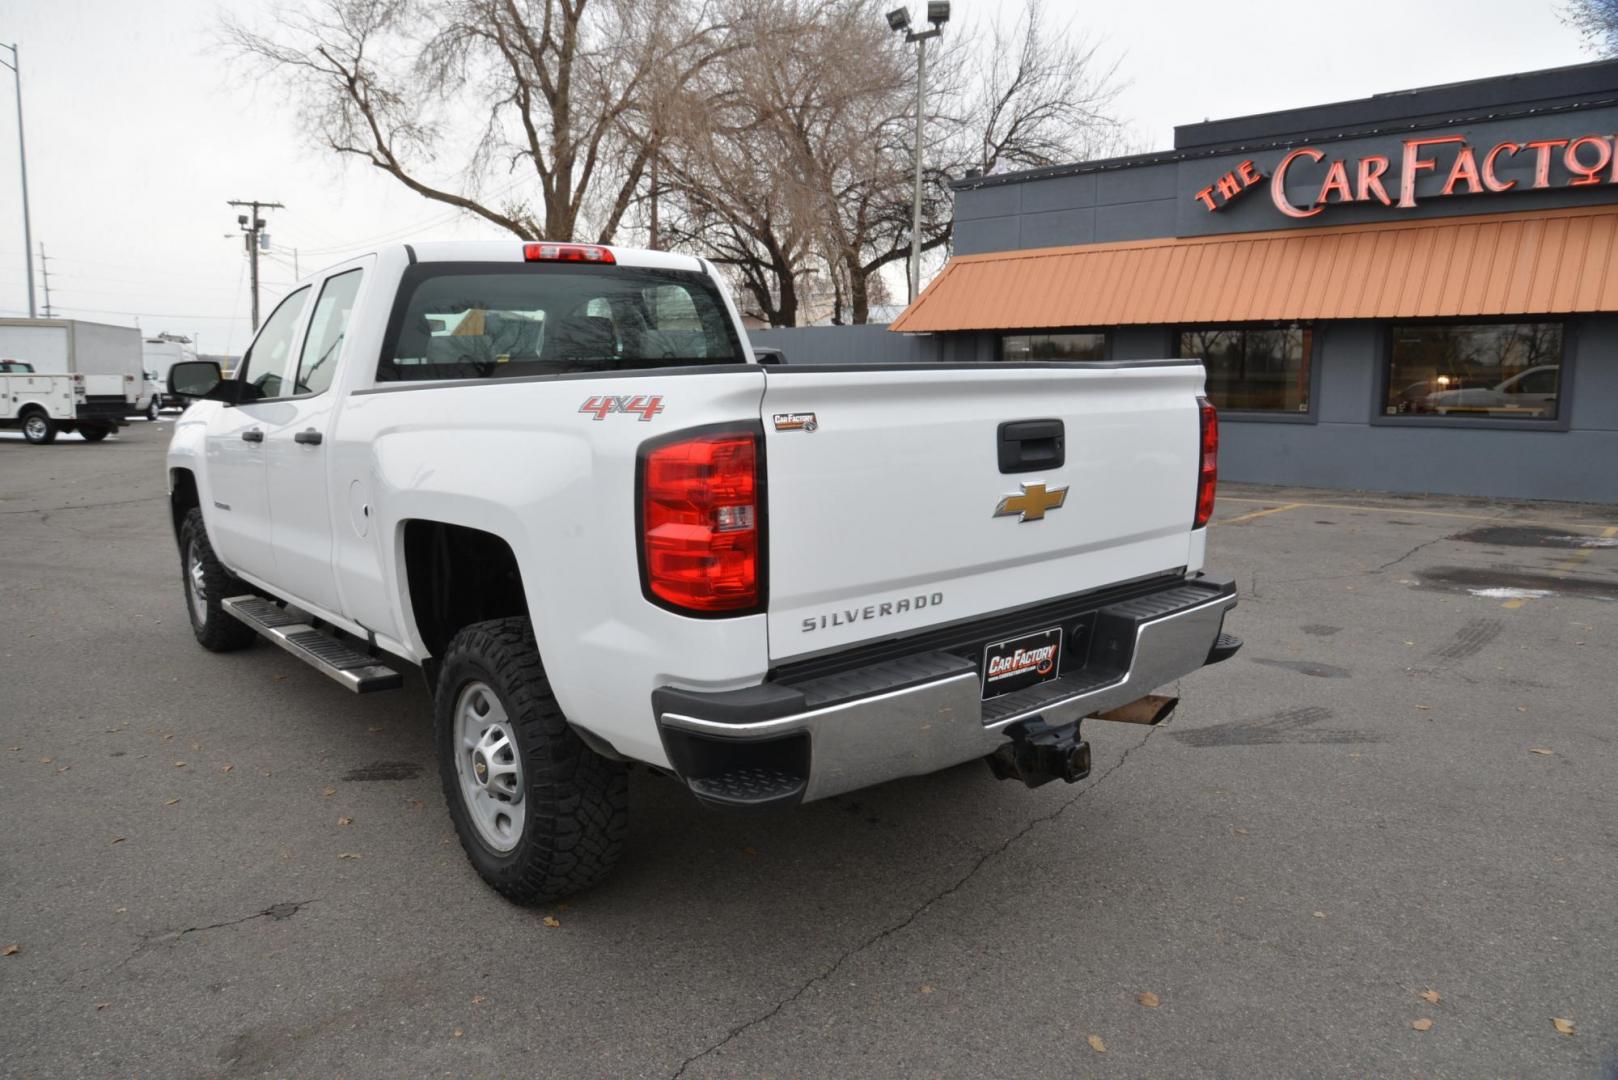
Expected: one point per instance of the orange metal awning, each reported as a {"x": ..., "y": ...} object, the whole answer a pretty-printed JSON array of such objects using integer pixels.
[{"x": 1538, "y": 263}]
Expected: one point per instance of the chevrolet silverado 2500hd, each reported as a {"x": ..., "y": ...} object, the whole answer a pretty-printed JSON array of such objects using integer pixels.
[{"x": 555, "y": 479}]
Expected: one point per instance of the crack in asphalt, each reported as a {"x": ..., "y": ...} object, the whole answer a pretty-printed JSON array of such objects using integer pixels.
[
  {"x": 1406, "y": 555},
  {"x": 284, "y": 910},
  {"x": 83, "y": 506},
  {"x": 887, "y": 932}
]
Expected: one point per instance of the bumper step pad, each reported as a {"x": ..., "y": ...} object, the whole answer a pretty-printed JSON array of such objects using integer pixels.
[{"x": 336, "y": 659}]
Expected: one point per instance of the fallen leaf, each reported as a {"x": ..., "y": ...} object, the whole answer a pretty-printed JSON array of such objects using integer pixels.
[
  {"x": 1425, "y": 708},
  {"x": 552, "y": 921},
  {"x": 926, "y": 988},
  {"x": 1541, "y": 750},
  {"x": 417, "y": 804},
  {"x": 226, "y": 768},
  {"x": 1148, "y": 999},
  {"x": 1239, "y": 831},
  {"x": 1320, "y": 914},
  {"x": 119, "y": 910},
  {"x": 749, "y": 851},
  {"x": 1522, "y": 708},
  {"x": 1421, "y": 1025},
  {"x": 179, "y": 764},
  {"x": 329, "y": 792},
  {"x": 1096, "y": 1044},
  {"x": 457, "y": 1033},
  {"x": 63, "y": 769},
  {"x": 345, "y": 821},
  {"x": 478, "y": 999},
  {"x": 13, "y": 749},
  {"x": 102, "y": 1005},
  {"x": 266, "y": 772},
  {"x": 170, "y": 802},
  {"x": 348, "y": 854},
  {"x": 46, "y": 760},
  {"x": 1564, "y": 1026},
  {"x": 374, "y": 728},
  {"x": 11, "y": 950},
  {"x": 117, "y": 839},
  {"x": 1430, "y": 996}
]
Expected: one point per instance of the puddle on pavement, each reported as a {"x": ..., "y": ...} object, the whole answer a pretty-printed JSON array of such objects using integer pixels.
[
  {"x": 1508, "y": 583},
  {"x": 1535, "y": 537}
]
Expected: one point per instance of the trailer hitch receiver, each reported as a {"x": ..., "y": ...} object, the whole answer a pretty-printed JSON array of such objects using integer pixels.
[{"x": 1039, "y": 753}]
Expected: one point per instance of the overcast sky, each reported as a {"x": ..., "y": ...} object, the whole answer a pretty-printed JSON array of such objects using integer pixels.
[{"x": 139, "y": 130}]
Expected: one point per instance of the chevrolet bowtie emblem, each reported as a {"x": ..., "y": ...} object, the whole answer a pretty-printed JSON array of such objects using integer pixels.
[{"x": 1032, "y": 503}]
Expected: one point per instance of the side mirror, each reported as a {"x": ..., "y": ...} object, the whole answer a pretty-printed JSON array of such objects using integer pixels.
[
  {"x": 201, "y": 379},
  {"x": 769, "y": 356}
]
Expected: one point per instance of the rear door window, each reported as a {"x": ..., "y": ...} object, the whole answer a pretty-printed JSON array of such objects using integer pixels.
[{"x": 491, "y": 321}]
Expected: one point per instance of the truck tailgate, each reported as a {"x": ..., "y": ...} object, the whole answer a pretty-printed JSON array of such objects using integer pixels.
[{"x": 883, "y": 506}]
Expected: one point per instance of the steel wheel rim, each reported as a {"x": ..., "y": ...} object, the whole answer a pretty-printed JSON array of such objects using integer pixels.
[
  {"x": 196, "y": 584},
  {"x": 489, "y": 767},
  {"x": 34, "y": 427}
]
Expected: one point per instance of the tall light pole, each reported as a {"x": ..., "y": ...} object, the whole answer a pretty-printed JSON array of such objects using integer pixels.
[
  {"x": 22, "y": 158},
  {"x": 899, "y": 22}
]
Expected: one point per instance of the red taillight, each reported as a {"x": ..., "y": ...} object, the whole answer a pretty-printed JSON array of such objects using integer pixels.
[
  {"x": 701, "y": 522},
  {"x": 589, "y": 253},
  {"x": 1208, "y": 469}
]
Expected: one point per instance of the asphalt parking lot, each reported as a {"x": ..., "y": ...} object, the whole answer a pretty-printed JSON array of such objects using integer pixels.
[{"x": 226, "y": 866}]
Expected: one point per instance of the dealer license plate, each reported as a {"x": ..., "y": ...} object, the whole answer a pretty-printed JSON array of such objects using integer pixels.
[{"x": 1020, "y": 662}]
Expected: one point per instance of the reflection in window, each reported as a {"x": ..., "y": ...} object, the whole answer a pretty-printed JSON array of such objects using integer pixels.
[
  {"x": 1499, "y": 370},
  {"x": 1054, "y": 347},
  {"x": 1253, "y": 369}
]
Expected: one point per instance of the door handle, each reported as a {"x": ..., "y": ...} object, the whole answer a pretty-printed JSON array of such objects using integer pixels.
[
  {"x": 1031, "y": 445},
  {"x": 309, "y": 437},
  {"x": 253, "y": 435}
]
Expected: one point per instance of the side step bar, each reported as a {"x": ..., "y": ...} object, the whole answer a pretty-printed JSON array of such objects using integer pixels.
[{"x": 332, "y": 658}]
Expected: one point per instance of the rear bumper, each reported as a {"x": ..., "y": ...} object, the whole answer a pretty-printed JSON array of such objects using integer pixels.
[{"x": 790, "y": 741}]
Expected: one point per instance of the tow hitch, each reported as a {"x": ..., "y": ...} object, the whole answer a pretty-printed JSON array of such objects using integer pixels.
[{"x": 1039, "y": 753}]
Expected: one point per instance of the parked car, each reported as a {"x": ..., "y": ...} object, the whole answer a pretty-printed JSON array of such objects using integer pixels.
[
  {"x": 555, "y": 479},
  {"x": 1532, "y": 391}
]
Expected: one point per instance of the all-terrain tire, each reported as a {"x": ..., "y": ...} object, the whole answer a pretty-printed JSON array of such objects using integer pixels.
[
  {"x": 207, "y": 584},
  {"x": 577, "y": 810}
]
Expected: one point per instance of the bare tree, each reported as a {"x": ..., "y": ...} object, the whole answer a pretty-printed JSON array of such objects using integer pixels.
[
  {"x": 562, "y": 93},
  {"x": 1597, "y": 22}
]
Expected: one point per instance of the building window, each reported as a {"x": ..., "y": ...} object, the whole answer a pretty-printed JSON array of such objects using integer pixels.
[
  {"x": 1253, "y": 369},
  {"x": 1084, "y": 346},
  {"x": 1497, "y": 371}
]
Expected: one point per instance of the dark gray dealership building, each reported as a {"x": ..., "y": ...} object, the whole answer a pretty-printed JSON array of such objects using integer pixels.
[{"x": 1416, "y": 291}]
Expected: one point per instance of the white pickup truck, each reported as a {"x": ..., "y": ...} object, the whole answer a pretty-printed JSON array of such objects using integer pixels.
[{"x": 555, "y": 479}]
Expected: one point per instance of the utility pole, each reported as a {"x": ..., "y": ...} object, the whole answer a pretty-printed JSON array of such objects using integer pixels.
[
  {"x": 252, "y": 232},
  {"x": 22, "y": 159},
  {"x": 45, "y": 273}
]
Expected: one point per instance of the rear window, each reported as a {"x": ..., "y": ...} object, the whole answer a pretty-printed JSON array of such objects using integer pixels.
[{"x": 503, "y": 321}]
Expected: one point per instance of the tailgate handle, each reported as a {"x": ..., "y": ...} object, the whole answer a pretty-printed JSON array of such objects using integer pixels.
[{"x": 1031, "y": 445}]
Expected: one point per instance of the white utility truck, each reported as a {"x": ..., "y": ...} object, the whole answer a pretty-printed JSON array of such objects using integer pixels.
[
  {"x": 555, "y": 479},
  {"x": 39, "y": 405},
  {"x": 104, "y": 360}
]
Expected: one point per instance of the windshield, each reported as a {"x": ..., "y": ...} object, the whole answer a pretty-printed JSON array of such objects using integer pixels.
[{"x": 481, "y": 321}]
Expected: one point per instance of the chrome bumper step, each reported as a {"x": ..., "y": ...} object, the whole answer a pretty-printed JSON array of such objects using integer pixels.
[{"x": 337, "y": 660}]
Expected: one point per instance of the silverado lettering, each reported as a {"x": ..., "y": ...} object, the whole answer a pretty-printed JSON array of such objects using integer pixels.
[{"x": 872, "y": 611}]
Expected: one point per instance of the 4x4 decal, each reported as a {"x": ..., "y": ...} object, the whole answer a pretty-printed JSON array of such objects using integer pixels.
[{"x": 601, "y": 406}]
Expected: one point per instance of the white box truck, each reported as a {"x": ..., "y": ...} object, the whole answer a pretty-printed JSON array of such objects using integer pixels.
[
  {"x": 104, "y": 360},
  {"x": 158, "y": 354}
]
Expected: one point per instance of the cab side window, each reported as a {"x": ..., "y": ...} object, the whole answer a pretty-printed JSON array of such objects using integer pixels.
[
  {"x": 327, "y": 327},
  {"x": 264, "y": 368}
]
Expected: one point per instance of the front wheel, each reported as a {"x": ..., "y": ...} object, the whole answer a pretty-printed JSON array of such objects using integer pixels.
[
  {"x": 38, "y": 428},
  {"x": 540, "y": 815},
  {"x": 207, "y": 584}
]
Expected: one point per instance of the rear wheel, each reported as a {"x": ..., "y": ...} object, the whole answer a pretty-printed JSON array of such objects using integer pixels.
[
  {"x": 38, "y": 428},
  {"x": 153, "y": 409},
  {"x": 94, "y": 432},
  {"x": 207, "y": 584},
  {"x": 540, "y": 815}
]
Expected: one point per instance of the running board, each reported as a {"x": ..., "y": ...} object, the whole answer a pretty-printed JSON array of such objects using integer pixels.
[{"x": 332, "y": 658}]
